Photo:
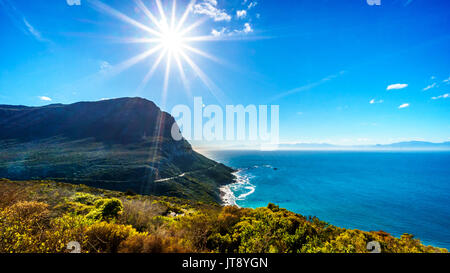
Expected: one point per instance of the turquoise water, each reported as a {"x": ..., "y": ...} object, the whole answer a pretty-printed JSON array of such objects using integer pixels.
[{"x": 398, "y": 192}]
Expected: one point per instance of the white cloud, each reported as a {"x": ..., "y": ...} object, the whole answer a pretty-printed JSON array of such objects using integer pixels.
[
  {"x": 73, "y": 2},
  {"x": 445, "y": 96},
  {"x": 225, "y": 32},
  {"x": 308, "y": 86},
  {"x": 32, "y": 30},
  {"x": 105, "y": 67},
  {"x": 218, "y": 33},
  {"x": 446, "y": 81},
  {"x": 404, "y": 105},
  {"x": 252, "y": 4},
  {"x": 241, "y": 14},
  {"x": 429, "y": 87},
  {"x": 397, "y": 86},
  {"x": 373, "y": 101},
  {"x": 20, "y": 21},
  {"x": 209, "y": 8},
  {"x": 248, "y": 28},
  {"x": 44, "y": 98}
]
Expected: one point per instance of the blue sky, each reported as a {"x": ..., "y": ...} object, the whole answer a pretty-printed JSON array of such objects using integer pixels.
[{"x": 343, "y": 72}]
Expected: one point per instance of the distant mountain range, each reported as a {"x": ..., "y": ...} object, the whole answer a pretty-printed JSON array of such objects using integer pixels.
[
  {"x": 119, "y": 144},
  {"x": 409, "y": 145}
]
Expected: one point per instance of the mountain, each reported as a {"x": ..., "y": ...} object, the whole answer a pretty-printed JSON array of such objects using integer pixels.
[
  {"x": 409, "y": 145},
  {"x": 122, "y": 121},
  {"x": 119, "y": 144},
  {"x": 308, "y": 146},
  {"x": 417, "y": 145}
]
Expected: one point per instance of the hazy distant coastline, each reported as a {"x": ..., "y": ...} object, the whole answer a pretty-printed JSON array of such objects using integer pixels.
[
  {"x": 409, "y": 145},
  {"x": 398, "y": 146}
]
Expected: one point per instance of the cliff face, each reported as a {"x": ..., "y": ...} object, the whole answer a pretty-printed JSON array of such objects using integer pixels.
[
  {"x": 120, "y": 144},
  {"x": 118, "y": 121}
]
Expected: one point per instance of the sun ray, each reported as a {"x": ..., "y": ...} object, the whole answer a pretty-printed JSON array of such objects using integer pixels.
[
  {"x": 185, "y": 15},
  {"x": 133, "y": 40},
  {"x": 107, "y": 9},
  {"x": 182, "y": 74},
  {"x": 204, "y": 38},
  {"x": 204, "y": 78},
  {"x": 148, "y": 13},
  {"x": 203, "y": 54},
  {"x": 212, "y": 38},
  {"x": 174, "y": 8},
  {"x": 152, "y": 70},
  {"x": 134, "y": 60},
  {"x": 154, "y": 152},
  {"x": 163, "y": 15},
  {"x": 192, "y": 26},
  {"x": 166, "y": 78}
]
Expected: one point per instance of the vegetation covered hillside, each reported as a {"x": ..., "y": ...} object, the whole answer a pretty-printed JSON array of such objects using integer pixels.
[{"x": 44, "y": 216}]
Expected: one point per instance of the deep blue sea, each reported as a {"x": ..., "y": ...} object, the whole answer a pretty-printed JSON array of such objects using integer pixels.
[{"x": 397, "y": 192}]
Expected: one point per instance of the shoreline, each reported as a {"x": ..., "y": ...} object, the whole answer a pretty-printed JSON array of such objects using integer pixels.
[
  {"x": 240, "y": 182},
  {"x": 226, "y": 194}
]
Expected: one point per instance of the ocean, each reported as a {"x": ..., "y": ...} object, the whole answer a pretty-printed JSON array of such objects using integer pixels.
[{"x": 397, "y": 192}]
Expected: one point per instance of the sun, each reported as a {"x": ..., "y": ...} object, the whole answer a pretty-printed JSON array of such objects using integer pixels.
[
  {"x": 172, "y": 41},
  {"x": 169, "y": 38}
]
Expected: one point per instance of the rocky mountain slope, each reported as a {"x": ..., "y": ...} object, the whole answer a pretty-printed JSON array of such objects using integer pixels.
[{"x": 120, "y": 144}]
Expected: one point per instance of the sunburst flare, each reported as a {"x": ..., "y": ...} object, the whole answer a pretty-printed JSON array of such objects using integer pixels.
[{"x": 169, "y": 37}]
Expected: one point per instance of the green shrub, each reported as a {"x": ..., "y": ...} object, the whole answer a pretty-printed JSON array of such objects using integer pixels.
[
  {"x": 144, "y": 243},
  {"x": 22, "y": 226},
  {"x": 106, "y": 237},
  {"x": 140, "y": 214},
  {"x": 106, "y": 209},
  {"x": 85, "y": 198}
]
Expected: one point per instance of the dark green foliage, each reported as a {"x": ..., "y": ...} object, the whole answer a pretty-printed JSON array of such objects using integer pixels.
[{"x": 106, "y": 209}]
